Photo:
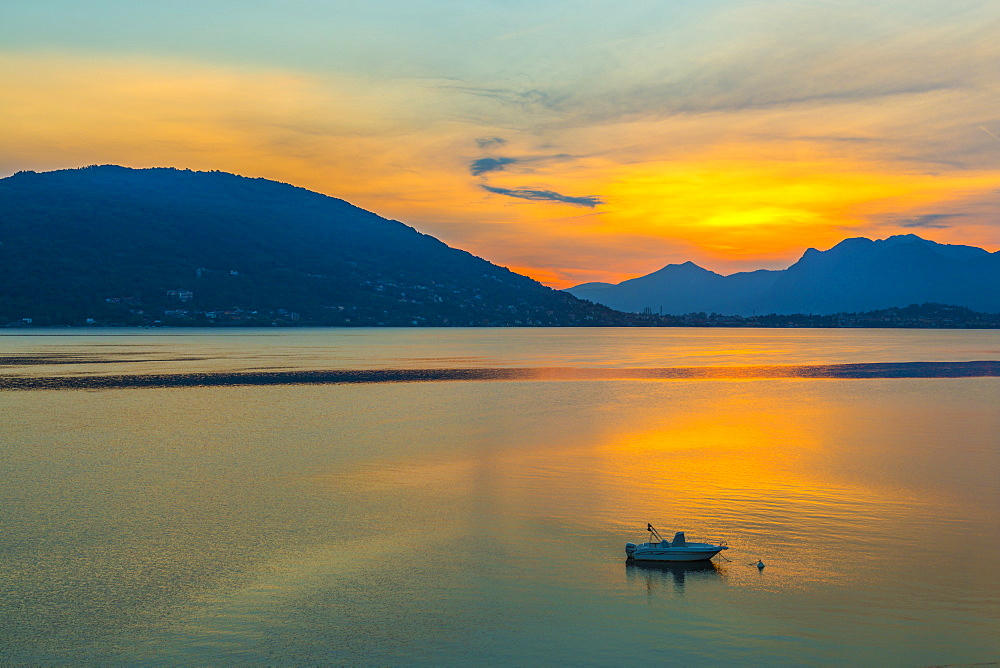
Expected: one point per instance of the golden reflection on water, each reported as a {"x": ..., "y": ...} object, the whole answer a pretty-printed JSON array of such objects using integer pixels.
[{"x": 747, "y": 463}]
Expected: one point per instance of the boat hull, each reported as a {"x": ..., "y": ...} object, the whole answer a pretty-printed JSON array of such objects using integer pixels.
[{"x": 656, "y": 553}]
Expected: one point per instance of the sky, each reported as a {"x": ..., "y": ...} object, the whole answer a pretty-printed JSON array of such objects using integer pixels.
[{"x": 572, "y": 141}]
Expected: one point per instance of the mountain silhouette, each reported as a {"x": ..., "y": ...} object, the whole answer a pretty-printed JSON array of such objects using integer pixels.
[
  {"x": 856, "y": 275},
  {"x": 112, "y": 245}
]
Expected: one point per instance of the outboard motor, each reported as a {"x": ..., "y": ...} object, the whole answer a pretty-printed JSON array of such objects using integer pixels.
[{"x": 630, "y": 549}]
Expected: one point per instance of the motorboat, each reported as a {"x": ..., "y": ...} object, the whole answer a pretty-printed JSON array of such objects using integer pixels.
[{"x": 659, "y": 549}]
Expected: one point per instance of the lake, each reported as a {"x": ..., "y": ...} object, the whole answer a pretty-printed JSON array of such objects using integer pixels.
[{"x": 266, "y": 510}]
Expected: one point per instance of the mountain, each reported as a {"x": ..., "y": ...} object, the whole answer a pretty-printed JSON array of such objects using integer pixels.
[
  {"x": 112, "y": 245},
  {"x": 856, "y": 275}
]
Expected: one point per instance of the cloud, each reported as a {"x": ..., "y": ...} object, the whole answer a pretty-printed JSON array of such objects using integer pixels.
[
  {"x": 488, "y": 142},
  {"x": 931, "y": 220},
  {"x": 499, "y": 164},
  {"x": 846, "y": 54},
  {"x": 544, "y": 195},
  {"x": 722, "y": 87},
  {"x": 484, "y": 165}
]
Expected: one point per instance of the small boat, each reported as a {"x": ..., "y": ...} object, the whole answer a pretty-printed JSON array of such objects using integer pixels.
[{"x": 678, "y": 549}]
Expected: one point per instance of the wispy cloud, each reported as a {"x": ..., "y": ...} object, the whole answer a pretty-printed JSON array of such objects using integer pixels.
[
  {"x": 931, "y": 220},
  {"x": 989, "y": 133},
  {"x": 484, "y": 165},
  {"x": 544, "y": 195},
  {"x": 854, "y": 54},
  {"x": 490, "y": 142},
  {"x": 499, "y": 163}
]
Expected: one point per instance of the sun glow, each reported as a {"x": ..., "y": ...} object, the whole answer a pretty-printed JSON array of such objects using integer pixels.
[{"x": 738, "y": 208}]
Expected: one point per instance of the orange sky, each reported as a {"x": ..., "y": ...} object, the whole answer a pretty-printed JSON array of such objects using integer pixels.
[{"x": 571, "y": 148}]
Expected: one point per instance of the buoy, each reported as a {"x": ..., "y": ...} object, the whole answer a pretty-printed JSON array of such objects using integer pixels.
[{"x": 760, "y": 565}]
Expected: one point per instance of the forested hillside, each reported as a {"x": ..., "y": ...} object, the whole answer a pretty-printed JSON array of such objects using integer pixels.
[{"x": 112, "y": 245}]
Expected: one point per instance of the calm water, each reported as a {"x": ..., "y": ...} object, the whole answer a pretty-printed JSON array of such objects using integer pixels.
[{"x": 484, "y": 521}]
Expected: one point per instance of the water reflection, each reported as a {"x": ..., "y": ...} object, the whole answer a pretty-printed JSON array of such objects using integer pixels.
[{"x": 655, "y": 575}]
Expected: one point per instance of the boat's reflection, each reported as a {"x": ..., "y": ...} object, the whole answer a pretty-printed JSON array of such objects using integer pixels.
[{"x": 654, "y": 573}]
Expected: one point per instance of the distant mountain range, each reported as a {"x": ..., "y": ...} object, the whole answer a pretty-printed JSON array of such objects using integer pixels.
[
  {"x": 856, "y": 275},
  {"x": 111, "y": 245}
]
